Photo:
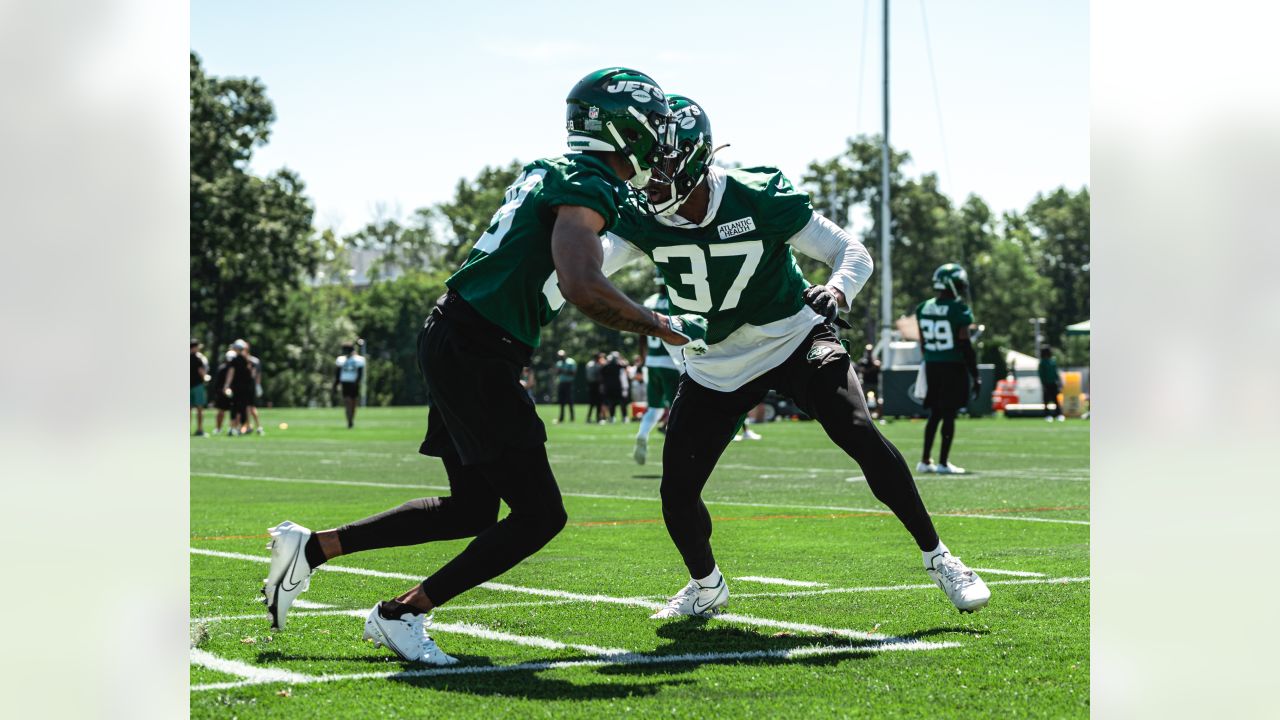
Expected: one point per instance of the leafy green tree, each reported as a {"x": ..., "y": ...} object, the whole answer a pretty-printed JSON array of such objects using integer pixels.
[
  {"x": 251, "y": 238},
  {"x": 388, "y": 315},
  {"x": 1057, "y": 224},
  {"x": 468, "y": 215}
]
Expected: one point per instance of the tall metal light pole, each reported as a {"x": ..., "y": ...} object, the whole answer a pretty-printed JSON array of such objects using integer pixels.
[{"x": 886, "y": 268}]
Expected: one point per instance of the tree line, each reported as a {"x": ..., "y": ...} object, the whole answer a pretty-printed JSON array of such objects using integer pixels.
[{"x": 261, "y": 270}]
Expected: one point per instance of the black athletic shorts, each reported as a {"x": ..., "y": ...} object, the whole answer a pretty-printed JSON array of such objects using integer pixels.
[
  {"x": 472, "y": 369},
  {"x": 220, "y": 399},
  {"x": 350, "y": 389},
  {"x": 564, "y": 393},
  {"x": 948, "y": 386}
]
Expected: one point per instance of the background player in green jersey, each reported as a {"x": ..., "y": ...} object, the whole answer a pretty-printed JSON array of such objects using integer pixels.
[
  {"x": 662, "y": 372},
  {"x": 723, "y": 241},
  {"x": 541, "y": 249},
  {"x": 949, "y": 363}
]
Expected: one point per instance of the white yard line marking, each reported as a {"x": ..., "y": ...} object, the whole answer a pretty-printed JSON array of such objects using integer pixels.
[
  {"x": 563, "y": 594},
  {"x": 653, "y": 499},
  {"x": 649, "y": 659},
  {"x": 308, "y": 605},
  {"x": 326, "y": 609},
  {"x": 779, "y": 581},
  {"x": 1015, "y": 573},
  {"x": 914, "y": 587},
  {"x": 484, "y": 633},
  {"x": 252, "y": 674}
]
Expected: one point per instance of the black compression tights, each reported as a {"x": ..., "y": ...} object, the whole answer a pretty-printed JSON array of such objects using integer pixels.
[
  {"x": 522, "y": 478},
  {"x": 948, "y": 420}
]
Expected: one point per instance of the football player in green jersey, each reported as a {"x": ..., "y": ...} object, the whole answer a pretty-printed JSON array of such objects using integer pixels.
[
  {"x": 662, "y": 373},
  {"x": 949, "y": 363},
  {"x": 542, "y": 248},
  {"x": 723, "y": 239}
]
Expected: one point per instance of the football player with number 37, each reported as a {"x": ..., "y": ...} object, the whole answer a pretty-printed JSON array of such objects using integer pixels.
[
  {"x": 542, "y": 248},
  {"x": 723, "y": 239}
]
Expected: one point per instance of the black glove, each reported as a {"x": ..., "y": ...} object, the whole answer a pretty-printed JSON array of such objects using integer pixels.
[{"x": 823, "y": 302}]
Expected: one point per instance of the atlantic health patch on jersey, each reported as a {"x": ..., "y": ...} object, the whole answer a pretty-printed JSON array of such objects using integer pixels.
[{"x": 736, "y": 227}]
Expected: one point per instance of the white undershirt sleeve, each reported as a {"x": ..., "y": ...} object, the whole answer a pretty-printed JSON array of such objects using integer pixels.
[
  {"x": 848, "y": 258},
  {"x": 618, "y": 253}
]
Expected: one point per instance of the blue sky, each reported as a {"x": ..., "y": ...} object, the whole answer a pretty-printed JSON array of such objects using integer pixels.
[{"x": 387, "y": 104}]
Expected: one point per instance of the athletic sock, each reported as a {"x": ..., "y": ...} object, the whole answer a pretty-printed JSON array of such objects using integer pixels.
[
  {"x": 929, "y": 555},
  {"x": 315, "y": 556},
  {"x": 648, "y": 421},
  {"x": 712, "y": 579},
  {"x": 392, "y": 610}
]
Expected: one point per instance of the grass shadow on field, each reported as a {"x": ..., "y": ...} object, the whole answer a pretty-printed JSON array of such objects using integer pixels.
[
  {"x": 532, "y": 685},
  {"x": 694, "y": 636},
  {"x": 647, "y": 477}
]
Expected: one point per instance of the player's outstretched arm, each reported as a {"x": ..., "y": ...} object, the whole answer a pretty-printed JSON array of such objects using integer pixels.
[
  {"x": 576, "y": 250},
  {"x": 850, "y": 263}
]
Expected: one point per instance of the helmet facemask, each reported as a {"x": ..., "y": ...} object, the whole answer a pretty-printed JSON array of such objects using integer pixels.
[{"x": 688, "y": 166}]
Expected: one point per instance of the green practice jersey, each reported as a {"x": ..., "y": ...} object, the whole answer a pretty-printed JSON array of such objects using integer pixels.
[
  {"x": 738, "y": 269},
  {"x": 509, "y": 277},
  {"x": 1048, "y": 371},
  {"x": 940, "y": 321}
]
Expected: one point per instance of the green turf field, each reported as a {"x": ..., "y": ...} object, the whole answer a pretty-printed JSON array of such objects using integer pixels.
[{"x": 867, "y": 635}]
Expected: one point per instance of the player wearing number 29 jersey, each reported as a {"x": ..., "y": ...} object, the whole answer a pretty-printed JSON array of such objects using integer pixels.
[
  {"x": 949, "y": 362},
  {"x": 723, "y": 242}
]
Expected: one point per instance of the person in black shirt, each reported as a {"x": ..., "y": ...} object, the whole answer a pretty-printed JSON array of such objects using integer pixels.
[
  {"x": 221, "y": 400},
  {"x": 611, "y": 383},
  {"x": 199, "y": 376},
  {"x": 239, "y": 387}
]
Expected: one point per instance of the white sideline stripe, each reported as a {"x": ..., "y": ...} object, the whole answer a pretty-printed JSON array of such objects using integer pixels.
[
  {"x": 600, "y": 496},
  {"x": 1015, "y": 573},
  {"x": 563, "y": 594},
  {"x": 780, "y": 581},
  {"x": 888, "y": 588},
  {"x": 308, "y": 605},
  {"x": 252, "y": 674},
  {"x": 802, "y": 652}
]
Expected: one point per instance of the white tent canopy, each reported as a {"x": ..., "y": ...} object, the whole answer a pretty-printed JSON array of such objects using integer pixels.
[{"x": 1021, "y": 362}]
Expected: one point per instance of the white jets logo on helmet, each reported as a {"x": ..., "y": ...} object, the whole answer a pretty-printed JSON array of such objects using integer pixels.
[
  {"x": 640, "y": 91},
  {"x": 686, "y": 116}
]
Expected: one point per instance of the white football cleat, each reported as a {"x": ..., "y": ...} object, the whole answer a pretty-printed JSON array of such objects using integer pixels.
[
  {"x": 642, "y": 450},
  {"x": 948, "y": 469},
  {"x": 926, "y": 467},
  {"x": 406, "y": 637},
  {"x": 1062, "y": 418},
  {"x": 963, "y": 586},
  {"x": 693, "y": 599},
  {"x": 750, "y": 434},
  {"x": 290, "y": 575}
]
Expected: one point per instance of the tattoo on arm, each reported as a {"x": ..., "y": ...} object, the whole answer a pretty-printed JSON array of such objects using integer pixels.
[{"x": 609, "y": 315}]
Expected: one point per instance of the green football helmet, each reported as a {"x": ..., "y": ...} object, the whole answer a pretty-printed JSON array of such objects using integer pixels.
[
  {"x": 623, "y": 111},
  {"x": 951, "y": 277},
  {"x": 689, "y": 165}
]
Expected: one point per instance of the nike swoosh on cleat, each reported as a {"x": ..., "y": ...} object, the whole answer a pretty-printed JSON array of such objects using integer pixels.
[{"x": 288, "y": 576}]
